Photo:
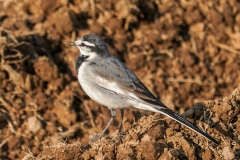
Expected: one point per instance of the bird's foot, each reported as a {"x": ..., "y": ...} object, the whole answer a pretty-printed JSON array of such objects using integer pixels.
[
  {"x": 122, "y": 135},
  {"x": 94, "y": 138}
]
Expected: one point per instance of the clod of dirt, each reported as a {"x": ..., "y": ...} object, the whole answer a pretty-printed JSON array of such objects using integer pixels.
[
  {"x": 62, "y": 108},
  {"x": 46, "y": 69},
  {"x": 228, "y": 153},
  {"x": 59, "y": 25},
  {"x": 62, "y": 151}
]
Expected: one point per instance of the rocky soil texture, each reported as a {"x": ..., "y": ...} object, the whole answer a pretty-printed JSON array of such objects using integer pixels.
[{"x": 186, "y": 52}]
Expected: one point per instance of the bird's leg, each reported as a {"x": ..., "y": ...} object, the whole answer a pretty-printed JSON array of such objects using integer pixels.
[
  {"x": 121, "y": 121},
  {"x": 113, "y": 116}
]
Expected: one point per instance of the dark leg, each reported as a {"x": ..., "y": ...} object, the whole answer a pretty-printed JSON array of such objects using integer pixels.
[
  {"x": 113, "y": 116},
  {"x": 121, "y": 121}
]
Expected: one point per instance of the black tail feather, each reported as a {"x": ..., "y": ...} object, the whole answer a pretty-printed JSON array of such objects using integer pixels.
[{"x": 185, "y": 122}]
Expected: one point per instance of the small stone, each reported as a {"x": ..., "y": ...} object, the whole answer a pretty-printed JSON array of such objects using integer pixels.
[
  {"x": 227, "y": 153},
  {"x": 34, "y": 124}
]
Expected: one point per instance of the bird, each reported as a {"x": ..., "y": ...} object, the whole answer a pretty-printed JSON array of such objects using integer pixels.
[{"x": 109, "y": 82}]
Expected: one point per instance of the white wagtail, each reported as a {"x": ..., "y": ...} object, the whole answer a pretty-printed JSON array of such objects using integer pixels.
[{"x": 111, "y": 83}]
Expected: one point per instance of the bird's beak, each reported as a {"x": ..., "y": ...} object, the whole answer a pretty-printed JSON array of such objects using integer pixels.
[{"x": 71, "y": 43}]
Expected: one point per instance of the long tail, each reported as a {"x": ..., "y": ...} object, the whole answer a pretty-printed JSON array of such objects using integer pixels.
[
  {"x": 185, "y": 122},
  {"x": 159, "y": 107}
]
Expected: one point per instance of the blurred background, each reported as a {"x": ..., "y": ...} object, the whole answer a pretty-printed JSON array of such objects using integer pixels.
[{"x": 184, "y": 51}]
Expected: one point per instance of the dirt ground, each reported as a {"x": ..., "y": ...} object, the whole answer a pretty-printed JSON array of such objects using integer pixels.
[{"x": 186, "y": 52}]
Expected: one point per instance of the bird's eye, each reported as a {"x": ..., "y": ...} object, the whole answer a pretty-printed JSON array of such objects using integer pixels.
[{"x": 82, "y": 44}]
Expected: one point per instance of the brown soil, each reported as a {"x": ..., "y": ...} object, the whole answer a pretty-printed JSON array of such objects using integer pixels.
[{"x": 185, "y": 52}]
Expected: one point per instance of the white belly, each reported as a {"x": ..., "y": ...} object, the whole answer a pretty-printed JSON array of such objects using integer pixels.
[{"x": 90, "y": 84}]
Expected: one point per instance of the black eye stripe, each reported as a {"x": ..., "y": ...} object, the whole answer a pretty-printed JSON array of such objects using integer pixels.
[{"x": 84, "y": 45}]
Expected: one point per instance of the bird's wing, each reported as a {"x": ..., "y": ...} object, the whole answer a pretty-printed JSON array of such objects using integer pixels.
[
  {"x": 115, "y": 72},
  {"x": 119, "y": 78}
]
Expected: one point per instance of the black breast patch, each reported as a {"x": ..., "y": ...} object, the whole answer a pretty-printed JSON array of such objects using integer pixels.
[{"x": 80, "y": 60}]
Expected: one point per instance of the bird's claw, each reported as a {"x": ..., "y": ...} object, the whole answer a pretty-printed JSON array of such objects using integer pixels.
[
  {"x": 122, "y": 135},
  {"x": 94, "y": 138}
]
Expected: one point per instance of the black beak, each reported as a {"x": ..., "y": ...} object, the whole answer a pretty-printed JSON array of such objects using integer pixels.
[{"x": 71, "y": 43}]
